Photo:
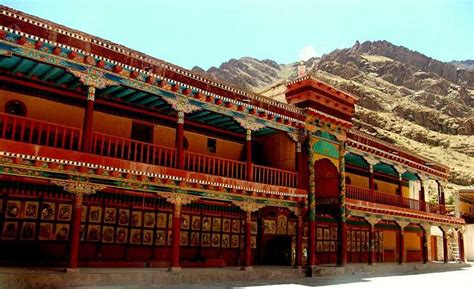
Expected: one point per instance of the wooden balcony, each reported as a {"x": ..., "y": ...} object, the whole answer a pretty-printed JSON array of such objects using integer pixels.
[
  {"x": 43, "y": 133},
  {"x": 363, "y": 194}
]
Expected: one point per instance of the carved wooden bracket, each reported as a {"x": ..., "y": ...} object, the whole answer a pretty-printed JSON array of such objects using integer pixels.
[
  {"x": 92, "y": 78},
  {"x": 248, "y": 206},
  {"x": 249, "y": 123},
  {"x": 297, "y": 136},
  {"x": 178, "y": 200},
  {"x": 79, "y": 189},
  {"x": 371, "y": 160},
  {"x": 181, "y": 104},
  {"x": 297, "y": 210},
  {"x": 402, "y": 224}
]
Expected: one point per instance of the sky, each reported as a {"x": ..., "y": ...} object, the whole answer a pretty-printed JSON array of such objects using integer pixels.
[{"x": 209, "y": 32}]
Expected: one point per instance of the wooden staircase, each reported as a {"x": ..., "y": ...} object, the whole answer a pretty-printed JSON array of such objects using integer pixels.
[{"x": 454, "y": 247}]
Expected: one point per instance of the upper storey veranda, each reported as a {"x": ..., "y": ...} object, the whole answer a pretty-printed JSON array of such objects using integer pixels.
[{"x": 144, "y": 81}]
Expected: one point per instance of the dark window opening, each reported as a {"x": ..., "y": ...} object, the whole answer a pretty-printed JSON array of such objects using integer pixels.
[
  {"x": 211, "y": 145},
  {"x": 15, "y": 107},
  {"x": 348, "y": 181},
  {"x": 185, "y": 143},
  {"x": 142, "y": 132}
]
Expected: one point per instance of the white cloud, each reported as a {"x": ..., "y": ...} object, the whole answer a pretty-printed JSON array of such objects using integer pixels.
[{"x": 307, "y": 52}]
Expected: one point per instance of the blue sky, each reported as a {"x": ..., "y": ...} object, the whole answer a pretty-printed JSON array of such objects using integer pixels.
[{"x": 209, "y": 32}]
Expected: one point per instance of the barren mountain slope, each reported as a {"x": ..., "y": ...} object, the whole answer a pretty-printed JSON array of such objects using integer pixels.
[{"x": 406, "y": 97}]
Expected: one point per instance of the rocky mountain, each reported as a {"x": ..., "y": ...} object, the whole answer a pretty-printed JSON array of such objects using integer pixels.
[
  {"x": 464, "y": 64},
  {"x": 406, "y": 98}
]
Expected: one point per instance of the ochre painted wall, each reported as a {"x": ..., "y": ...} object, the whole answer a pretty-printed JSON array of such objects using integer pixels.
[
  {"x": 358, "y": 181},
  {"x": 46, "y": 110},
  {"x": 389, "y": 240},
  {"x": 225, "y": 149},
  {"x": 382, "y": 186},
  {"x": 111, "y": 124},
  {"x": 466, "y": 208},
  {"x": 412, "y": 241}
]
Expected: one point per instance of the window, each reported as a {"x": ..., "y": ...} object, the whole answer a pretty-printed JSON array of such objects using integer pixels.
[
  {"x": 211, "y": 145},
  {"x": 15, "y": 107},
  {"x": 348, "y": 181},
  {"x": 142, "y": 132}
]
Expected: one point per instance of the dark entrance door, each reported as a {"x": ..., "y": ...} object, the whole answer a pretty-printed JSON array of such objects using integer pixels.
[{"x": 277, "y": 251}]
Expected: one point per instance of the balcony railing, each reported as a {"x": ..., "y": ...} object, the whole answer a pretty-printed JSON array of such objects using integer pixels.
[
  {"x": 39, "y": 132},
  {"x": 28, "y": 130},
  {"x": 214, "y": 165},
  {"x": 132, "y": 150},
  {"x": 364, "y": 194},
  {"x": 268, "y": 175}
]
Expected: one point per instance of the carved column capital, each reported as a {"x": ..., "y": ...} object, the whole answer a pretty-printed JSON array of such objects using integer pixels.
[
  {"x": 445, "y": 228},
  {"x": 297, "y": 210},
  {"x": 400, "y": 170},
  {"x": 372, "y": 220},
  {"x": 371, "y": 160},
  {"x": 297, "y": 136},
  {"x": 180, "y": 117},
  {"x": 402, "y": 224},
  {"x": 461, "y": 229},
  {"x": 426, "y": 228},
  {"x": 178, "y": 200},
  {"x": 79, "y": 189}
]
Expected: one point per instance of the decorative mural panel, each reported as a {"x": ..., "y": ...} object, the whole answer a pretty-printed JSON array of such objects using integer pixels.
[
  {"x": 326, "y": 238},
  {"x": 325, "y": 148}
]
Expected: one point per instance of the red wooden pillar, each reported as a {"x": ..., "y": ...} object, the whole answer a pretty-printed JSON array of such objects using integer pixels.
[
  {"x": 180, "y": 141},
  {"x": 299, "y": 242},
  {"x": 248, "y": 155},
  {"x": 461, "y": 246},
  {"x": 445, "y": 246},
  {"x": 75, "y": 232},
  {"x": 400, "y": 192},
  {"x": 441, "y": 198},
  {"x": 299, "y": 166},
  {"x": 371, "y": 244},
  {"x": 371, "y": 182},
  {"x": 248, "y": 241},
  {"x": 175, "y": 236},
  {"x": 312, "y": 243},
  {"x": 342, "y": 241},
  {"x": 88, "y": 121},
  {"x": 426, "y": 236},
  {"x": 401, "y": 244},
  {"x": 421, "y": 196}
]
